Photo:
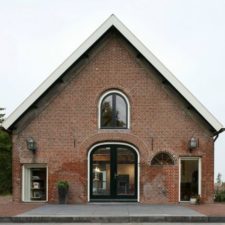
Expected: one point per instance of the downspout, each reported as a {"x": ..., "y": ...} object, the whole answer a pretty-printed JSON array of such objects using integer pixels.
[{"x": 217, "y": 134}]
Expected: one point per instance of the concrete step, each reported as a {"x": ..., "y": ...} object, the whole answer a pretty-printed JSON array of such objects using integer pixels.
[{"x": 111, "y": 219}]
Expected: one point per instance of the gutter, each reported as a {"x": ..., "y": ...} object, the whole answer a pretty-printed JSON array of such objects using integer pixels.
[{"x": 217, "y": 134}]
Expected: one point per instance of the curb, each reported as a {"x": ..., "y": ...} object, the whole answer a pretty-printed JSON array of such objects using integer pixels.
[{"x": 122, "y": 219}]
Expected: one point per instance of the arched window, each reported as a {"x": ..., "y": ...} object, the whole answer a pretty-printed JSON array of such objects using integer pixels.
[
  {"x": 114, "y": 110},
  {"x": 162, "y": 158}
]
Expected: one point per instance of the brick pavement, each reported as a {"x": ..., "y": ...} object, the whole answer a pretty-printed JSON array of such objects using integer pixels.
[
  {"x": 214, "y": 209},
  {"x": 10, "y": 208}
]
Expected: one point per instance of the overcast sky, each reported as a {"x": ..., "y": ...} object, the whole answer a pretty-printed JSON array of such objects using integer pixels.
[{"x": 188, "y": 36}]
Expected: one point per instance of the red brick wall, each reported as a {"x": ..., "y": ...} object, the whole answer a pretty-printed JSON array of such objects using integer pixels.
[{"x": 67, "y": 127}]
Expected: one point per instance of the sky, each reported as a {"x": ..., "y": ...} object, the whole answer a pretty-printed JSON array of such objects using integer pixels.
[{"x": 187, "y": 36}]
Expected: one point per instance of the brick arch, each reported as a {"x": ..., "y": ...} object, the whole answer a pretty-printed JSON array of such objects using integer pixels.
[
  {"x": 124, "y": 90},
  {"x": 118, "y": 141},
  {"x": 113, "y": 137},
  {"x": 170, "y": 154}
]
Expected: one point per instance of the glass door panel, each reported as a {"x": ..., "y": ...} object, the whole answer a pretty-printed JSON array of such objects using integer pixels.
[
  {"x": 113, "y": 173},
  {"x": 101, "y": 172},
  {"x": 189, "y": 185},
  {"x": 125, "y": 177}
]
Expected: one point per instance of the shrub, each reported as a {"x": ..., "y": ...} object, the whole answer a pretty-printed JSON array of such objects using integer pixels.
[
  {"x": 63, "y": 184},
  {"x": 5, "y": 163},
  {"x": 220, "y": 196}
]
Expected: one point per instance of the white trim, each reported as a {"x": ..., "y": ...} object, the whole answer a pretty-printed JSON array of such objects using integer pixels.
[
  {"x": 23, "y": 183},
  {"x": 114, "y": 143},
  {"x": 99, "y": 106},
  {"x": 179, "y": 178},
  {"x": 113, "y": 21},
  {"x": 199, "y": 174},
  {"x": 29, "y": 166}
]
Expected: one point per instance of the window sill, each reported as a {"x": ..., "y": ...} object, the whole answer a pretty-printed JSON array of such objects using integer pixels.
[{"x": 114, "y": 130}]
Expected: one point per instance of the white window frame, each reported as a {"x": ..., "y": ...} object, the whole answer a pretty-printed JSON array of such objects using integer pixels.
[
  {"x": 199, "y": 175},
  {"x": 24, "y": 188},
  {"x": 100, "y": 102}
]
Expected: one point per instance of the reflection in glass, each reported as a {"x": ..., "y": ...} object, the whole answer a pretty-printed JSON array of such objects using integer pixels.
[
  {"x": 106, "y": 111},
  {"x": 101, "y": 172},
  {"x": 121, "y": 112},
  {"x": 189, "y": 179},
  {"x": 114, "y": 111},
  {"x": 125, "y": 172}
]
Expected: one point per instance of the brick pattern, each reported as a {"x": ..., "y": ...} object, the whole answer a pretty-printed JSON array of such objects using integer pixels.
[
  {"x": 10, "y": 208},
  {"x": 68, "y": 126}
]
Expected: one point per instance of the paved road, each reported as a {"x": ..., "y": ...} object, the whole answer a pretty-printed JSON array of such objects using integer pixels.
[{"x": 114, "y": 223}]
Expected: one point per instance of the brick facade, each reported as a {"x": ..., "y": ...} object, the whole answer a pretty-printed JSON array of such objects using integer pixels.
[{"x": 65, "y": 125}]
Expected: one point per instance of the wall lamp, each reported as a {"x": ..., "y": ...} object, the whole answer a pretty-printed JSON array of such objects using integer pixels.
[
  {"x": 193, "y": 143},
  {"x": 31, "y": 144}
]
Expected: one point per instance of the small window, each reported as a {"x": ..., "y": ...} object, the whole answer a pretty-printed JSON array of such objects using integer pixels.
[
  {"x": 34, "y": 183},
  {"x": 162, "y": 159},
  {"x": 114, "y": 111}
]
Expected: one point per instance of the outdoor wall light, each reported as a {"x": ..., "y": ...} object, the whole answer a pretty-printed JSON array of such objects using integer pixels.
[
  {"x": 31, "y": 144},
  {"x": 193, "y": 143}
]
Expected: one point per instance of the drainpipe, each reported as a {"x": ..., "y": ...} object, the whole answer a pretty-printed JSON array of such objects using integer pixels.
[{"x": 217, "y": 133}]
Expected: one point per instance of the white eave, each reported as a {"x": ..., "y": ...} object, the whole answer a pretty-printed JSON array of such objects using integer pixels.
[{"x": 113, "y": 21}]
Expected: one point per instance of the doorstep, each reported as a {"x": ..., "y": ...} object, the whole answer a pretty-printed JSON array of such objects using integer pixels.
[
  {"x": 115, "y": 219},
  {"x": 111, "y": 213}
]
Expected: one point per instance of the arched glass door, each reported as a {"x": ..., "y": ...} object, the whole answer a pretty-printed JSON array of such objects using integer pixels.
[{"x": 113, "y": 173}]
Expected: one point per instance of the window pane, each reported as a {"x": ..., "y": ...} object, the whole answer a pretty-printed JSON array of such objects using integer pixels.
[
  {"x": 125, "y": 172},
  {"x": 106, "y": 110},
  {"x": 38, "y": 184},
  {"x": 162, "y": 159},
  {"x": 101, "y": 172},
  {"x": 125, "y": 155},
  {"x": 113, "y": 112},
  {"x": 189, "y": 179},
  {"x": 121, "y": 112}
]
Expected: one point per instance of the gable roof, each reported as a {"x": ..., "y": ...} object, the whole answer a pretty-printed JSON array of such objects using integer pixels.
[{"x": 113, "y": 21}]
